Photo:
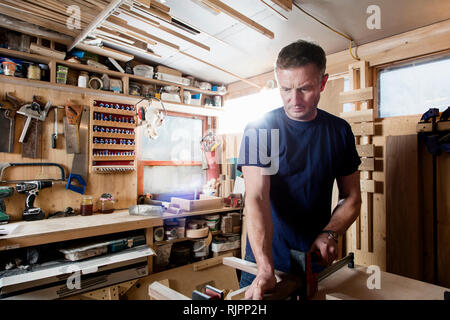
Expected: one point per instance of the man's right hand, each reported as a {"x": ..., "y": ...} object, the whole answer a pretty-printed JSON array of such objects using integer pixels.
[{"x": 264, "y": 282}]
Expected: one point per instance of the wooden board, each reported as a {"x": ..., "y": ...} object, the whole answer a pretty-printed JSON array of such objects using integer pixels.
[
  {"x": 363, "y": 129},
  {"x": 367, "y": 164},
  {"x": 353, "y": 283},
  {"x": 358, "y": 116},
  {"x": 356, "y": 95},
  {"x": 403, "y": 226},
  {"x": 366, "y": 150}
]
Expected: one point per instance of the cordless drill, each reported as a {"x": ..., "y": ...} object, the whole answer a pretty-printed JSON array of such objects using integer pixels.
[
  {"x": 31, "y": 190},
  {"x": 5, "y": 192}
]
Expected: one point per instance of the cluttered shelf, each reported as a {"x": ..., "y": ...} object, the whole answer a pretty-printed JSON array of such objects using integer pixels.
[
  {"x": 31, "y": 233},
  {"x": 167, "y": 215}
]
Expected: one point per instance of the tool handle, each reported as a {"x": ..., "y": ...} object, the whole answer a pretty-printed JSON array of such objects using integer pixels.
[
  {"x": 40, "y": 164},
  {"x": 25, "y": 129},
  {"x": 79, "y": 179},
  {"x": 54, "y": 141}
]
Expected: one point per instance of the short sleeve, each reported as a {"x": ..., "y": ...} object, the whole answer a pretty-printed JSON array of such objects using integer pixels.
[{"x": 351, "y": 159}]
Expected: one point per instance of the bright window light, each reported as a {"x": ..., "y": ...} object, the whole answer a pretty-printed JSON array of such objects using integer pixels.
[{"x": 239, "y": 112}]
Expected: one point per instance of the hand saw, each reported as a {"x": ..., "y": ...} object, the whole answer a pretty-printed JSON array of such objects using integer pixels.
[{"x": 71, "y": 133}]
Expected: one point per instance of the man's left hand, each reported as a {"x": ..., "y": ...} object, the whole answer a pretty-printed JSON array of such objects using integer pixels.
[{"x": 327, "y": 247}]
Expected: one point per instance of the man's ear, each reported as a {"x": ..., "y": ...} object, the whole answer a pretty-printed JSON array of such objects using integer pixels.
[{"x": 323, "y": 82}]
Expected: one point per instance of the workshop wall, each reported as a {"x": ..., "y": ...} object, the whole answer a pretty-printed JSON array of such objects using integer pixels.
[{"x": 121, "y": 185}]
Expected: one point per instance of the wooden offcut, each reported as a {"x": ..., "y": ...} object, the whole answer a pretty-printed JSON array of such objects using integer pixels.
[
  {"x": 363, "y": 129},
  {"x": 367, "y": 164},
  {"x": 356, "y": 95},
  {"x": 366, "y": 150},
  {"x": 358, "y": 116}
]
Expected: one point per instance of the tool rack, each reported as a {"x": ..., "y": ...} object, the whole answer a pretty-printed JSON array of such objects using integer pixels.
[{"x": 113, "y": 137}]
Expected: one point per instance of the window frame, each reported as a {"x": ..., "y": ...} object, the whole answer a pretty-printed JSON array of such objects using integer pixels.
[{"x": 140, "y": 164}]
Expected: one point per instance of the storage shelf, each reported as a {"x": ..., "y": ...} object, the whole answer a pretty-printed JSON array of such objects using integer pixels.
[
  {"x": 112, "y": 146},
  {"x": 114, "y": 111},
  {"x": 198, "y": 213},
  {"x": 114, "y": 124},
  {"x": 159, "y": 243},
  {"x": 113, "y": 135},
  {"x": 170, "y": 106},
  {"x": 113, "y": 158}
]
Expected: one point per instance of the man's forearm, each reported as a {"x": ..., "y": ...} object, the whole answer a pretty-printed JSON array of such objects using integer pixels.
[
  {"x": 344, "y": 214},
  {"x": 260, "y": 233}
]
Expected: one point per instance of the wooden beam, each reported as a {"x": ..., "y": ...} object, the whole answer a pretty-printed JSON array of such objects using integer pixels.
[
  {"x": 363, "y": 129},
  {"x": 367, "y": 186},
  {"x": 285, "y": 4},
  {"x": 240, "y": 17},
  {"x": 367, "y": 164},
  {"x": 96, "y": 22},
  {"x": 356, "y": 95},
  {"x": 279, "y": 14},
  {"x": 358, "y": 116},
  {"x": 366, "y": 150},
  {"x": 122, "y": 23}
]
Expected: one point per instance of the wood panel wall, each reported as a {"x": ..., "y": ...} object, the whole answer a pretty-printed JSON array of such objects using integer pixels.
[{"x": 121, "y": 185}]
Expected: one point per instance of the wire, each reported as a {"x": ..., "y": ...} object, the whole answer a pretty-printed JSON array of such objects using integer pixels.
[{"x": 332, "y": 29}]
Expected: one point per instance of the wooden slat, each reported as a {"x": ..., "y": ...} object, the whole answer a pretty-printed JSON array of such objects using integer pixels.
[
  {"x": 285, "y": 4},
  {"x": 367, "y": 164},
  {"x": 358, "y": 116},
  {"x": 366, "y": 222},
  {"x": 363, "y": 129},
  {"x": 367, "y": 186},
  {"x": 159, "y": 291},
  {"x": 160, "y": 6},
  {"x": 356, "y": 95},
  {"x": 240, "y": 17},
  {"x": 156, "y": 13},
  {"x": 428, "y": 127},
  {"x": 366, "y": 150}
]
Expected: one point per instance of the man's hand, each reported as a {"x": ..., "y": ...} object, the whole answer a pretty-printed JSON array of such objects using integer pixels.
[
  {"x": 327, "y": 247},
  {"x": 264, "y": 282}
]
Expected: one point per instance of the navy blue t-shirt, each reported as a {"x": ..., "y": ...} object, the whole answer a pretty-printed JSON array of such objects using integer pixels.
[{"x": 310, "y": 156}]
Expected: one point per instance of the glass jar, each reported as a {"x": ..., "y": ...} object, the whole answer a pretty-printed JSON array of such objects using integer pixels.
[
  {"x": 87, "y": 206},
  {"x": 9, "y": 68},
  {"x": 106, "y": 203}
]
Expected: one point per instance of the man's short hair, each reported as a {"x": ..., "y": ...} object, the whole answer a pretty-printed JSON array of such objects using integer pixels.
[{"x": 300, "y": 53}]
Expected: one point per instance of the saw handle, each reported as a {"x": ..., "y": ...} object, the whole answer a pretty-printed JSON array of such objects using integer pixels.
[{"x": 79, "y": 179}]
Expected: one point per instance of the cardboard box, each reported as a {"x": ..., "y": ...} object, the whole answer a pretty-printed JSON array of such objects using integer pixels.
[{"x": 167, "y": 70}]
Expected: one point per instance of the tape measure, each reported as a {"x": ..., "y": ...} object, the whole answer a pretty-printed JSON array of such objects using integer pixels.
[{"x": 159, "y": 234}]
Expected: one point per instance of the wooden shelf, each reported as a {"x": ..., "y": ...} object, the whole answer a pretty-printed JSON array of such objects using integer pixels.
[
  {"x": 159, "y": 243},
  {"x": 114, "y": 124},
  {"x": 112, "y": 146},
  {"x": 126, "y": 98},
  {"x": 114, "y": 111},
  {"x": 31, "y": 233},
  {"x": 113, "y": 135},
  {"x": 198, "y": 213},
  {"x": 113, "y": 158}
]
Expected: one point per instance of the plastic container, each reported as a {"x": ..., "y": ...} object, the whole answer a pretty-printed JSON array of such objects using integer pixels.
[
  {"x": 213, "y": 222},
  {"x": 106, "y": 203},
  {"x": 143, "y": 71},
  {"x": 34, "y": 72},
  {"x": 83, "y": 79},
  {"x": 135, "y": 89},
  {"x": 9, "y": 68},
  {"x": 61, "y": 74},
  {"x": 86, "y": 206}
]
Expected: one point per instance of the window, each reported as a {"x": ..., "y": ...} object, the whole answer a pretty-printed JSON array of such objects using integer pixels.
[
  {"x": 414, "y": 88},
  {"x": 171, "y": 164},
  {"x": 240, "y": 111}
]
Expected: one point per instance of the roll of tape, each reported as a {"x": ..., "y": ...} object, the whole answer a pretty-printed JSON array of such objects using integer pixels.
[
  {"x": 96, "y": 83},
  {"x": 159, "y": 234}
]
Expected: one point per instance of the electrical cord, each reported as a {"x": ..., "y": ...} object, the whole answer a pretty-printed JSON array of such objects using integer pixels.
[{"x": 334, "y": 30}]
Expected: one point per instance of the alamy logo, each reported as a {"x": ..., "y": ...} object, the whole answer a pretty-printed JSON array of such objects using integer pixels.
[
  {"x": 374, "y": 281},
  {"x": 73, "y": 22},
  {"x": 374, "y": 20},
  {"x": 257, "y": 144}
]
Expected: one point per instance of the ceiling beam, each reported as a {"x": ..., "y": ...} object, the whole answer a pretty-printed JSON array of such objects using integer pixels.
[
  {"x": 240, "y": 17},
  {"x": 96, "y": 22}
]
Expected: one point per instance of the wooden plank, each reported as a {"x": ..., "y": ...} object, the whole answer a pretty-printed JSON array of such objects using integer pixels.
[
  {"x": 285, "y": 4},
  {"x": 356, "y": 95},
  {"x": 208, "y": 263},
  {"x": 95, "y": 23},
  {"x": 159, "y": 291},
  {"x": 366, "y": 150},
  {"x": 156, "y": 13},
  {"x": 366, "y": 222},
  {"x": 363, "y": 129},
  {"x": 29, "y": 233},
  {"x": 428, "y": 127},
  {"x": 404, "y": 221},
  {"x": 367, "y": 164},
  {"x": 160, "y": 6},
  {"x": 240, "y": 17},
  {"x": 367, "y": 186},
  {"x": 353, "y": 283},
  {"x": 358, "y": 116}
]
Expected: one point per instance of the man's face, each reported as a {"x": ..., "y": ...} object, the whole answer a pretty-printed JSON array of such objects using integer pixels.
[{"x": 300, "y": 90}]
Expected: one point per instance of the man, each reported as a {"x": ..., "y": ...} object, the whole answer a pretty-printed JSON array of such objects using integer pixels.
[{"x": 288, "y": 197}]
